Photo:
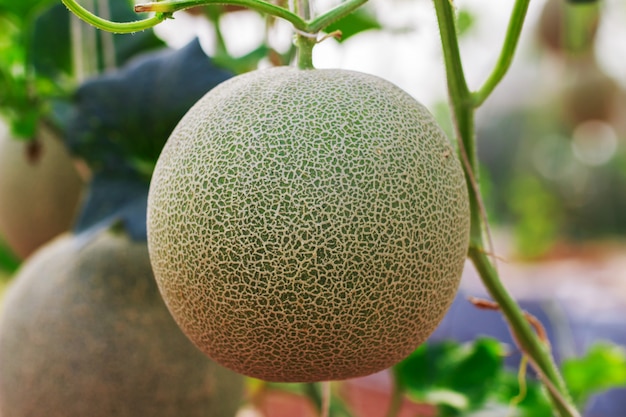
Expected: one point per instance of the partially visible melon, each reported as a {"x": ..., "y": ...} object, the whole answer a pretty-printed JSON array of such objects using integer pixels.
[
  {"x": 308, "y": 225},
  {"x": 39, "y": 190},
  {"x": 84, "y": 333}
]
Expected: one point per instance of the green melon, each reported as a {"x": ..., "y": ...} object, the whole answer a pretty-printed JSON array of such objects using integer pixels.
[
  {"x": 84, "y": 333},
  {"x": 308, "y": 225}
]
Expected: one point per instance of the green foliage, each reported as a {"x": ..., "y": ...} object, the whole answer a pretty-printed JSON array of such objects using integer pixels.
[
  {"x": 536, "y": 209},
  {"x": 23, "y": 9},
  {"x": 464, "y": 21},
  {"x": 15, "y": 104},
  {"x": 243, "y": 64},
  {"x": 603, "y": 367},
  {"x": 36, "y": 61},
  {"x": 8, "y": 261},
  {"x": 462, "y": 379},
  {"x": 354, "y": 23}
]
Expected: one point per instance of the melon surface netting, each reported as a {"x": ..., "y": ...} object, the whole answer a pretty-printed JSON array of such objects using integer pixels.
[{"x": 308, "y": 225}]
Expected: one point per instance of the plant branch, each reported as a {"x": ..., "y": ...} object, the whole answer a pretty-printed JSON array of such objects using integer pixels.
[
  {"x": 463, "y": 105},
  {"x": 305, "y": 42},
  {"x": 165, "y": 9},
  {"x": 506, "y": 54},
  {"x": 526, "y": 338},
  {"x": 342, "y": 10},
  {"x": 115, "y": 27},
  {"x": 462, "y": 109},
  {"x": 261, "y": 6}
]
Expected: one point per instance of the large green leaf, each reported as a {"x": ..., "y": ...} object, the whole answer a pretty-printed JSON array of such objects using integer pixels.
[{"x": 121, "y": 120}]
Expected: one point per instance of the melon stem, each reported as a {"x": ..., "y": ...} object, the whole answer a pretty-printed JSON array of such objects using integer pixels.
[
  {"x": 305, "y": 41},
  {"x": 304, "y": 44}
]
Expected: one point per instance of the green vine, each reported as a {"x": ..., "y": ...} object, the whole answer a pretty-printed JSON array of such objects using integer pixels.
[
  {"x": 165, "y": 9},
  {"x": 115, "y": 27},
  {"x": 464, "y": 103}
]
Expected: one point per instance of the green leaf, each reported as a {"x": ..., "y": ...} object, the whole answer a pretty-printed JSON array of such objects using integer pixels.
[
  {"x": 468, "y": 380},
  {"x": 477, "y": 370},
  {"x": 603, "y": 367},
  {"x": 455, "y": 377},
  {"x": 8, "y": 261},
  {"x": 245, "y": 63},
  {"x": 354, "y": 23},
  {"x": 23, "y": 9},
  {"x": 50, "y": 47},
  {"x": 121, "y": 120},
  {"x": 535, "y": 402},
  {"x": 464, "y": 22}
]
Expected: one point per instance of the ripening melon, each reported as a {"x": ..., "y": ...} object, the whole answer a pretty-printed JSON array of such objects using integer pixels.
[
  {"x": 39, "y": 190},
  {"x": 84, "y": 333},
  {"x": 308, "y": 225}
]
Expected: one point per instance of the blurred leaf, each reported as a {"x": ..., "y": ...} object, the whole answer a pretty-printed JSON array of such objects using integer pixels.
[
  {"x": 8, "y": 261},
  {"x": 537, "y": 212},
  {"x": 16, "y": 105},
  {"x": 468, "y": 380},
  {"x": 456, "y": 377},
  {"x": 477, "y": 370},
  {"x": 121, "y": 120},
  {"x": 356, "y": 22},
  {"x": 535, "y": 402},
  {"x": 25, "y": 126},
  {"x": 244, "y": 63},
  {"x": 603, "y": 367},
  {"x": 23, "y": 9},
  {"x": 581, "y": 20},
  {"x": 115, "y": 202},
  {"x": 50, "y": 45},
  {"x": 464, "y": 22}
]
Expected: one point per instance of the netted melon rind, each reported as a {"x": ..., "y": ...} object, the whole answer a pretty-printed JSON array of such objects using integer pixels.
[
  {"x": 308, "y": 225},
  {"x": 84, "y": 333}
]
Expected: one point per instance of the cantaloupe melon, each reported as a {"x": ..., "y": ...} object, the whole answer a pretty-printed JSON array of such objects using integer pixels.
[
  {"x": 84, "y": 333},
  {"x": 308, "y": 225}
]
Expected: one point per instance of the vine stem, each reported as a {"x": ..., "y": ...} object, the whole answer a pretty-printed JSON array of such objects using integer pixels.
[
  {"x": 464, "y": 103},
  {"x": 506, "y": 55},
  {"x": 305, "y": 42},
  {"x": 165, "y": 9},
  {"x": 115, "y": 27}
]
